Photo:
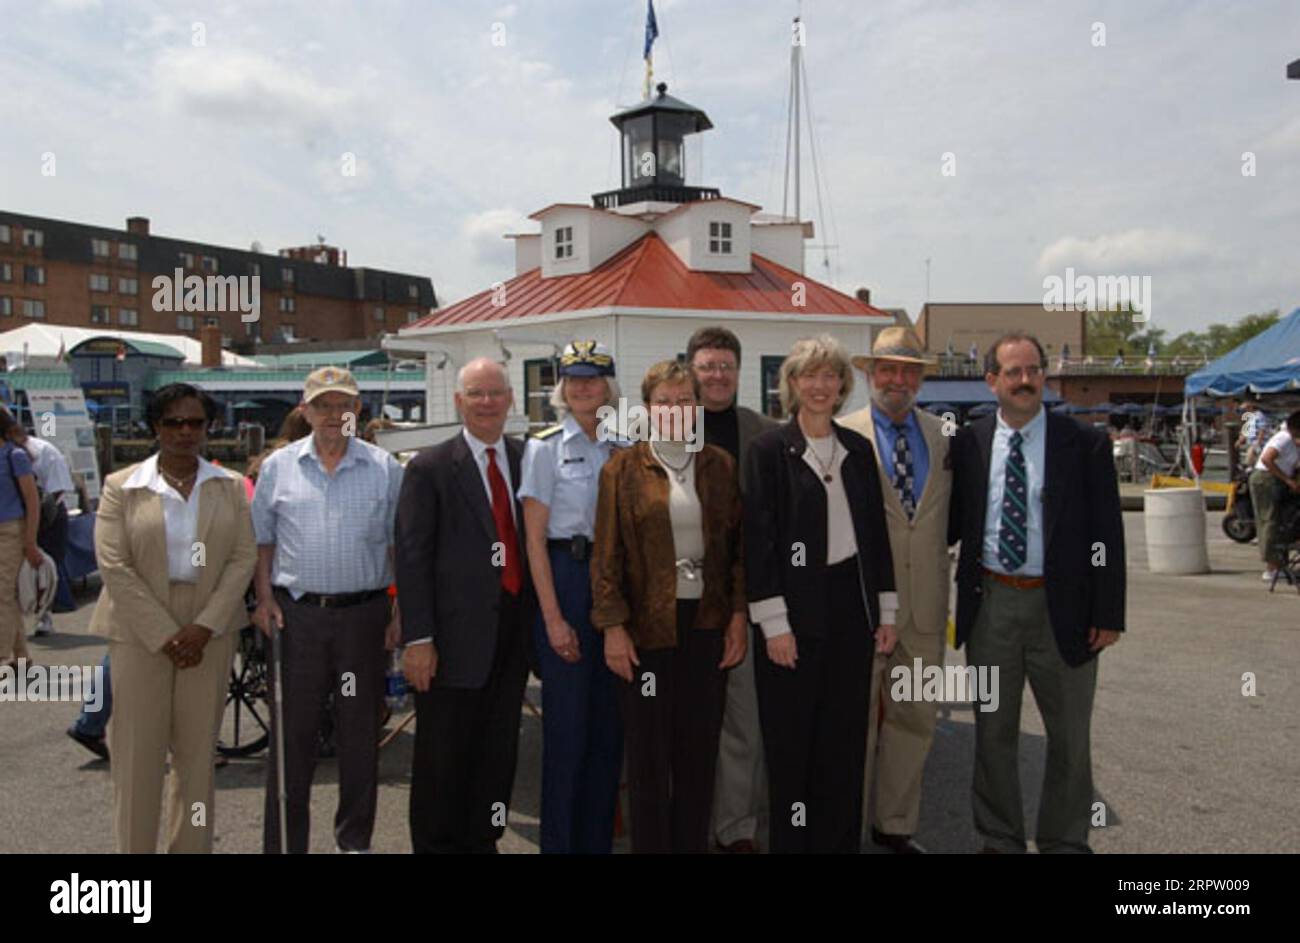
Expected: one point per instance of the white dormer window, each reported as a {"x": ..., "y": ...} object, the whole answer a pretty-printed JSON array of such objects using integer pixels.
[
  {"x": 564, "y": 242},
  {"x": 720, "y": 238}
]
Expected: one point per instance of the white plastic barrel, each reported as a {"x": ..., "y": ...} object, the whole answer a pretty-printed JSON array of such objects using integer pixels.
[{"x": 1175, "y": 526}]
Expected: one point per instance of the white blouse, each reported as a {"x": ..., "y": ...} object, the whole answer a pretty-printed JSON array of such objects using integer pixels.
[
  {"x": 685, "y": 513},
  {"x": 180, "y": 516},
  {"x": 771, "y": 614}
]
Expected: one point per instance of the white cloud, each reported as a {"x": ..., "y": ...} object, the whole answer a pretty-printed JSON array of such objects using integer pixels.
[
  {"x": 485, "y": 233},
  {"x": 1133, "y": 251},
  {"x": 247, "y": 87}
]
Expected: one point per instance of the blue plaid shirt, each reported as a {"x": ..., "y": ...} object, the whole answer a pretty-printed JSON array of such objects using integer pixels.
[{"x": 331, "y": 533}]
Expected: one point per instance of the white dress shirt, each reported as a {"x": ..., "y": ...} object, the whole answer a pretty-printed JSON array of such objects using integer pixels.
[
  {"x": 479, "y": 448},
  {"x": 1034, "y": 449},
  {"x": 180, "y": 516}
]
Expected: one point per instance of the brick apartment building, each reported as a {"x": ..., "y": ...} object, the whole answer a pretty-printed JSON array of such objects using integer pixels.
[{"x": 68, "y": 273}]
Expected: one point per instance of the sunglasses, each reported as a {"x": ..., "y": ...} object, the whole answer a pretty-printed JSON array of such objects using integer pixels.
[{"x": 180, "y": 422}]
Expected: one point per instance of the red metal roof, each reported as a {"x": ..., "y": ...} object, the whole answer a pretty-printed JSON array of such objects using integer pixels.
[{"x": 647, "y": 274}]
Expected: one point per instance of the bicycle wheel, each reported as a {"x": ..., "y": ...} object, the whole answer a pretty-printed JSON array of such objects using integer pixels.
[{"x": 246, "y": 723}]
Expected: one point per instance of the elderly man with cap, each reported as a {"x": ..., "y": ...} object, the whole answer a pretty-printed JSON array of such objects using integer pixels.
[
  {"x": 582, "y": 746},
  {"x": 324, "y": 514},
  {"x": 917, "y": 483}
]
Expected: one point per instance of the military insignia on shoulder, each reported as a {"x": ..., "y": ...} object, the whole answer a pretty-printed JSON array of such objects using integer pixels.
[{"x": 547, "y": 433}]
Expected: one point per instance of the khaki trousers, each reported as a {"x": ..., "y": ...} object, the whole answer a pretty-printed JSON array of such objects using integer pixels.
[
  {"x": 157, "y": 708},
  {"x": 13, "y": 633},
  {"x": 897, "y": 747}
]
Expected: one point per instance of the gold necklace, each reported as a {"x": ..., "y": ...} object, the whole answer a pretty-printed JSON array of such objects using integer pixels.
[{"x": 177, "y": 483}]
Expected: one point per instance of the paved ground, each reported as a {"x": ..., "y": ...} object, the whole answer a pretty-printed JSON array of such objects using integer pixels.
[{"x": 1183, "y": 761}]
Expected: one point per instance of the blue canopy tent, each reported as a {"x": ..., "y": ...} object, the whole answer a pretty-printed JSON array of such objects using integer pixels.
[{"x": 1267, "y": 363}]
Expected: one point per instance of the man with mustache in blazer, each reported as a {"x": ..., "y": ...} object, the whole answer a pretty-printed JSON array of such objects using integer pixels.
[{"x": 1040, "y": 592}]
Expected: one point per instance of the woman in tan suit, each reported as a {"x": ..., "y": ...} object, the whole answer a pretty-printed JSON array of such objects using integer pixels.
[{"x": 174, "y": 542}]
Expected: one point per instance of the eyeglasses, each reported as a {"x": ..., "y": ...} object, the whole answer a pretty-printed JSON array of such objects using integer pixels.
[
  {"x": 1031, "y": 372},
  {"x": 178, "y": 422},
  {"x": 722, "y": 368}
]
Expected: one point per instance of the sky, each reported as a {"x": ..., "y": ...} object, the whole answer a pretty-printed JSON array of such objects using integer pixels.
[{"x": 1004, "y": 141}]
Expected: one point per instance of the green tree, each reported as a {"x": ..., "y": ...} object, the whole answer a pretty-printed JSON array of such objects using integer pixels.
[
  {"x": 1110, "y": 331},
  {"x": 1217, "y": 339}
]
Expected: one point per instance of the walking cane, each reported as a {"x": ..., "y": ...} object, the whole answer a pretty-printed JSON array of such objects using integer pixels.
[{"x": 277, "y": 654}]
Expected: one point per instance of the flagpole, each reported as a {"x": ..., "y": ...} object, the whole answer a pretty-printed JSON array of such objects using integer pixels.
[{"x": 647, "y": 52}]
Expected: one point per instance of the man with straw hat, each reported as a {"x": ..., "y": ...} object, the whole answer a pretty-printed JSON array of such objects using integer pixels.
[{"x": 916, "y": 479}]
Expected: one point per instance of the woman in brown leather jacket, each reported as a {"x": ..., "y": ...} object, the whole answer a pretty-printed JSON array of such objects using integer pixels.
[{"x": 668, "y": 593}]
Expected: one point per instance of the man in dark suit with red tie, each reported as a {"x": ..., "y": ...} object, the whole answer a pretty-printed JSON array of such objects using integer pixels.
[
  {"x": 462, "y": 582},
  {"x": 1040, "y": 592}
]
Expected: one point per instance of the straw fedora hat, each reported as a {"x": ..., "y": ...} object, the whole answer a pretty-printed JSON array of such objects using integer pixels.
[{"x": 894, "y": 343}]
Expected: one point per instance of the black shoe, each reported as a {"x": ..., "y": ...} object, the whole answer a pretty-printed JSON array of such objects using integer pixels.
[
  {"x": 898, "y": 844},
  {"x": 95, "y": 745}
]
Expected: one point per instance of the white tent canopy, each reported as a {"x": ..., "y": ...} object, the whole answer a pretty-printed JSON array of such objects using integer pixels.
[{"x": 37, "y": 345}]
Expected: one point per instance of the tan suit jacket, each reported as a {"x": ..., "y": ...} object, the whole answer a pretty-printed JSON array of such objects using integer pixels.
[
  {"x": 131, "y": 550},
  {"x": 920, "y": 546}
]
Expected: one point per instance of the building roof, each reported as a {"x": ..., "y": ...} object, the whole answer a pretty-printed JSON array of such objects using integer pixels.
[
  {"x": 225, "y": 380},
  {"x": 39, "y": 380},
  {"x": 326, "y": 358},
  {"x": 67, "y": 241},
  {"x": 44, "y": 341},
  {"x": 648, "y": 274},
  {"x": 144, "y": 348}
]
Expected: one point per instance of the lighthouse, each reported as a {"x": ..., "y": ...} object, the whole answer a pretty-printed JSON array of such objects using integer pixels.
[{"x": 639, "y": 269}]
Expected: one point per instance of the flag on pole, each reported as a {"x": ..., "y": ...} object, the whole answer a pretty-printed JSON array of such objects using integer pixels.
[{"x": 651, "y": 33}]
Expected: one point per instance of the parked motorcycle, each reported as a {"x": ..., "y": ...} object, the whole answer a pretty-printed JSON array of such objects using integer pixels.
[{"x": 1239, "y": 513}]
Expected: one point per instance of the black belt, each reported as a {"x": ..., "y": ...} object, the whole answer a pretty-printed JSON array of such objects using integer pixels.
[
  {"x": 338, "y": 600},
  {"x": 578, "y": 547}
]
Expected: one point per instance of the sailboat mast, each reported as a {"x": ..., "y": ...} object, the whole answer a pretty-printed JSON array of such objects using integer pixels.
[{"x": 796, "y": 92}]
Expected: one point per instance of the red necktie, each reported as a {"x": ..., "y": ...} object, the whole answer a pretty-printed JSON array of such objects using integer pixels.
[{"x": 511, "y": 575}]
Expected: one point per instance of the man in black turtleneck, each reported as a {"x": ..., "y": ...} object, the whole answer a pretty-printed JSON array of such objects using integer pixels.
[{"x": 740, "y": 792}]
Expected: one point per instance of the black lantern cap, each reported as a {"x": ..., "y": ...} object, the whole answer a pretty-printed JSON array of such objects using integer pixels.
[{"x": 663, "y": 102}]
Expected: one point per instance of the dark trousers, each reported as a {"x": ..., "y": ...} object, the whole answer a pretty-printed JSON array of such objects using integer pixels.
[
  {"x": 672, "y": 734},
  {"x": 814, "y": 721},
  {"x": 53, "y": 539},
  {"x": 324, "y": 650},
  {"x": 466, "y": 746},
  {"x": 582, "y": 745}
]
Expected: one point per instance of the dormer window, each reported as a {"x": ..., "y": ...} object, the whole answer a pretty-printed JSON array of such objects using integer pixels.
[
  {"x": 720, "y": 238},
  {"x": 564, "y": 242}
]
